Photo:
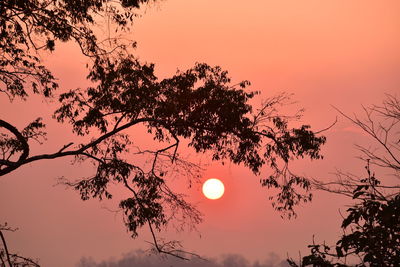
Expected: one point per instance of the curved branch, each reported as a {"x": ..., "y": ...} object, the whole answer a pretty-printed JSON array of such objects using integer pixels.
[
  {"x": 26, "y": 260},
  {"x": 61, "y": 153},
  {"x": 327, "y": 128},
  {"x": 24, "y": 146}
]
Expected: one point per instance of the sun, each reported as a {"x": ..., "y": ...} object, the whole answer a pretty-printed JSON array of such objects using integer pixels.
[{"x": 213, "y": 188}]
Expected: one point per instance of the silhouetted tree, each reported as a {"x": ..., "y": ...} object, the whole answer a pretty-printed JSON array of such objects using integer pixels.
[
  {"x": 372, "y": 224},
  {"x": 7, "y": 256},
  {"x": 27, "y": 27},
  {"x": 199, "y": 105}
]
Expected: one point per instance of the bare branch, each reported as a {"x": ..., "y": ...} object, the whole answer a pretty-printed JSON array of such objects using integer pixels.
[{"x": 5, "y": 248}]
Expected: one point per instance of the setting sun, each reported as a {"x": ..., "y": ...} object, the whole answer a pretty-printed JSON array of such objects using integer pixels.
[{"x": 213, "y": 188}]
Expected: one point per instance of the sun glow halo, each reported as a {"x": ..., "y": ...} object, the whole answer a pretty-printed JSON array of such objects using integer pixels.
[{"x": 213, "y": 188}]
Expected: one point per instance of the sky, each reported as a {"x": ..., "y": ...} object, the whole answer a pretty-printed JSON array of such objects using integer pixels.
[{"x": 328, "y": 54}]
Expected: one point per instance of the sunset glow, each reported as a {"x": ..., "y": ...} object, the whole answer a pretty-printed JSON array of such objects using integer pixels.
[
  {"x": 150, "y": 122},
  {"x": 213, "y": 188}
]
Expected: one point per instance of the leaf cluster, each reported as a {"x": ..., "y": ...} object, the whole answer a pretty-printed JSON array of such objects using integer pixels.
[
  {"x": 199, "y": 105},
  {"x": 373, "y": 231},
  {"x": 202, "y": 106},
  {"x": 28, "y": 27}
]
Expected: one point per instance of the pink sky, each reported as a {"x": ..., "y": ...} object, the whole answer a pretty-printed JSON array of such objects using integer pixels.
[{"x": 340, "y": 53}]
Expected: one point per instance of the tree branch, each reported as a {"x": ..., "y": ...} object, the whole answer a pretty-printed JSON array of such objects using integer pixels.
[
  {"x": 5, "y": 248},
  {"x": 24, "y": 144},
  {"x": 61, "y": 153}
]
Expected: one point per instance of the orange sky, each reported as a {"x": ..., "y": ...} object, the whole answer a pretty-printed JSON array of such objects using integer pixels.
[{"x": 341, "y": 53}]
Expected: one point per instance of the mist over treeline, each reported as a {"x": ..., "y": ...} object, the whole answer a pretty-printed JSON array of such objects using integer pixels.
[{"x": 141, "y": 258}]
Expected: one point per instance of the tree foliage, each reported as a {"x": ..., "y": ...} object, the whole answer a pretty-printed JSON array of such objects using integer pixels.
[
  {"x": 200, "y": 106},
  {"x": 27, "y": 27},
  {"x": 372, "y": 224}
]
